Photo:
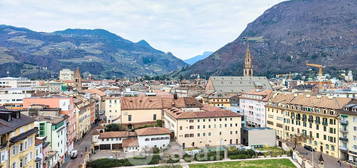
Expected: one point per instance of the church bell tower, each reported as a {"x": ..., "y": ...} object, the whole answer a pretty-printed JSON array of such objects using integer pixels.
[{"x": 248, "y": 65}]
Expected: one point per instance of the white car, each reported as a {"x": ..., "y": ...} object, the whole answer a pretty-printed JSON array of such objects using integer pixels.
[{"x": 73, "y": 154}]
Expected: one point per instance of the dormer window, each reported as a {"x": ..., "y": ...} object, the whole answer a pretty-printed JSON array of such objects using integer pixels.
[{"x": 332, "y": 112}]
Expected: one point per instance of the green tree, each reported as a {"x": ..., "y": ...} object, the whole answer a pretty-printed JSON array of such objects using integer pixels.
[{"x": 114, "y": 127}]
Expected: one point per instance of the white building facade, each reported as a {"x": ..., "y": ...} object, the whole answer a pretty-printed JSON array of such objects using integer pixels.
[
  {"x": 252, "y": 105},
  {"x": 14, "y": 96},
  {"x": 153, "y": 141},
  {"x": 66, "y": 75},
  {"x": 112, "y": 109},
  {"x": 12, "y": 82}
]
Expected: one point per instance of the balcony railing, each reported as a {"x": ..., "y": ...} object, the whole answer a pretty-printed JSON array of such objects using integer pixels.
[
  {"x": 343, "y": 149},
  {"x": 343, "y": 138},
  {"x": 344, "y": 122},
  {"x": 343, "y": 130}
]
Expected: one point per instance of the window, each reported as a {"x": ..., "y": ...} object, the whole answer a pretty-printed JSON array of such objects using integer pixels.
[
  {"x": 154, "y": 117},
  {"x": 129, "y": 118}
]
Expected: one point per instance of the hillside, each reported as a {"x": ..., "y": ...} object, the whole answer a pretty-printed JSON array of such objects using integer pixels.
[
  {"x": 24, "y": 52},
  {"x": 197, "y": 58},
  {"x": 289, "y": 35}
]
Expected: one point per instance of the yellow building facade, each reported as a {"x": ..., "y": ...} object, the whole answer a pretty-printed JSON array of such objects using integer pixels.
[
  {"x": 315, "y": 118},
  {"x": 83, "y": 114},
  {"x": 202, "y": 128},
  {"x": 218, "y": 100},
  {"x": 17, "y": 135}
]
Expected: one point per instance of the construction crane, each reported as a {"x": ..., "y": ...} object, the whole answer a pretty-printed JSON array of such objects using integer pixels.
[{"x": 321, "y": 68}]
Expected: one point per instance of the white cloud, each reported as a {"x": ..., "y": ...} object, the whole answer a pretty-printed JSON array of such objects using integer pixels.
[{"x": 184, "y": 27}]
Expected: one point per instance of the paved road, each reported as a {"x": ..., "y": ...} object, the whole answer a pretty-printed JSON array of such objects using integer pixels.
[
  {"x": 329, "y": 162},
  {"x": 80, "y": 147}
]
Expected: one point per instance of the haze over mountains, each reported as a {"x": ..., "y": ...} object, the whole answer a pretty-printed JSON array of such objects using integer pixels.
[
  {"x": 24, "y": 52},
  {"x": 289, "y": 35},
  {"x": 197, "y": 58}
]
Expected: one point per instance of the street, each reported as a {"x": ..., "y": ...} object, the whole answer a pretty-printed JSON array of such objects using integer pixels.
[
  {"x": 80, "y": 146},
  {"x": 329, "y": 162}
]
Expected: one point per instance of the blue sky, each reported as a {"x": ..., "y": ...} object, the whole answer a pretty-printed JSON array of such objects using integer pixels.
[{"x": 184, "y": 27}]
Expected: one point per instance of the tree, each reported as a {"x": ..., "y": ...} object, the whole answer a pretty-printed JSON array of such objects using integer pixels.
[
  {"x": 113, "y": 127},
  {"x": 159, "y": 123},
  {"x": 298, "y": 139}
]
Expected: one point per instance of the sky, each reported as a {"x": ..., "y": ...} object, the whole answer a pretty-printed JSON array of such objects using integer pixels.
[{"x": 184, "y": 27}]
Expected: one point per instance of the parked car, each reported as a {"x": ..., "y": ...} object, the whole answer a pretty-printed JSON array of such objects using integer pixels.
[
  {"x": 309, "y": 148},
  {"x": 73, "y": 154}
]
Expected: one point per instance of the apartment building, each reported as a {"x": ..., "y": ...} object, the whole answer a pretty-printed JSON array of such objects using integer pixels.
[
  {"x": 54, "y": 131},
  {"x": 112, "y": 107},
  {"x": 348, "y": 132},
  {"x": 218, "y": 99},
  {"x": 252, "y": 105},
  {"x": 12, "y": 82},
  {"x": 85, "y": 114},
  {"x": 66, "y": 75},
  {"x": 17, "y": 140},
  {"x": 13, "y": 97},
  {"x": 206, "y": 126},
  {"x": 66, "y": 106},
  {"x": 313, "y": 117}
]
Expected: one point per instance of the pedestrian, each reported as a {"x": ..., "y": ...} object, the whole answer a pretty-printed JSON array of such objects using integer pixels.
[{"x": 339, "y": 162}]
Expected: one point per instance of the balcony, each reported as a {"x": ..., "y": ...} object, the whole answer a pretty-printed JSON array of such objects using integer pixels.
[
  {"x": 343, "y": 149},
  {"x": 343, "y": 130},
  {"x": 344, "y": 122},
  {"x": 343, "y": 138}
]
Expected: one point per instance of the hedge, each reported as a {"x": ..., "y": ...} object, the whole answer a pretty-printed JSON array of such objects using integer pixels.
[{"x": 108, "y": 163}]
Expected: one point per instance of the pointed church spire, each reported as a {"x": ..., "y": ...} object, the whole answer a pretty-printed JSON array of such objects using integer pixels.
[{"x": 248, "y": 65}]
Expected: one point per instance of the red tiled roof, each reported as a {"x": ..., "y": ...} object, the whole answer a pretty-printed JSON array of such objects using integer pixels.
[
  {"x": 95, "y": 91},
  {"x": 152, "y": 131},
  {"x": 182, "y": 102},
  {"x": 310, "y": 100},
  {"x": 141, "y": 102},
  {"x": 114, "y": 134},
  {"x": 130, "y": 142},
  {"x": 266, "y": 94},
  {"x": 203, "y": 113}
]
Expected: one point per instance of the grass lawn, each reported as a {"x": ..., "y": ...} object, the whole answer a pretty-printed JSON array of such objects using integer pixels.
[{"x": 274, "y": 163}]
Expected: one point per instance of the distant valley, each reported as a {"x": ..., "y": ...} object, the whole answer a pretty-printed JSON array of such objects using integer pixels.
[
  {"x": 27, "y": 53},
  {"x": 197, "y": 58}
]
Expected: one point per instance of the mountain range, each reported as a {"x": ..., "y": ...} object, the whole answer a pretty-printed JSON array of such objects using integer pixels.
[
  {"x": 197, "y": 58},
  {"x": 289, "y": 35},
  {"x": 32, "y": 54}
]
